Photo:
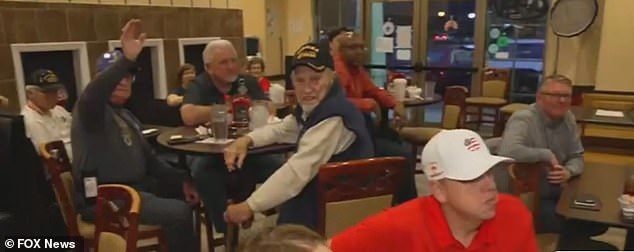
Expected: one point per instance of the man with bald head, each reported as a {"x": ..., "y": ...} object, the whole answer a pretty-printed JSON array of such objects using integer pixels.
[
  {"x": 348, "y": 51},
  {"x": 221, "y": 78}
]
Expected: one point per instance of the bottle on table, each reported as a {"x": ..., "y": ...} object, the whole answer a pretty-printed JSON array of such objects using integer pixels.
[{"x": 240, "y": 105}]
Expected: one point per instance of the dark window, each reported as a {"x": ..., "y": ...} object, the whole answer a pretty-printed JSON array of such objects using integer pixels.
[{"x": 194, "y": 56}]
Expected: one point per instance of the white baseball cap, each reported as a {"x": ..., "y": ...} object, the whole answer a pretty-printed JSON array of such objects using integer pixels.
[{"x": 458, "y": 154}]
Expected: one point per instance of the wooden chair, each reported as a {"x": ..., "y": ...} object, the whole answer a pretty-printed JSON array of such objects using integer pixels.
[
  {"x": 453, "y": 117},
  {"x": 503, "y": 116},
  {"x": 493, "y": 94},
  {"x": 352, "y": 191},
  {"x": 525, "y": 178},
  {"x": 117, "y": 218},
  {"x": 58, "y": 166}
]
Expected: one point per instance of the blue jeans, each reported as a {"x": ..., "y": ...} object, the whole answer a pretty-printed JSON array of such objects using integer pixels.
[{"x": 211, "y": 179}]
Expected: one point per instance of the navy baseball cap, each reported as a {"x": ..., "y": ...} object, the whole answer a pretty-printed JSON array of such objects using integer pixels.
[
  {"x": 312, "y": 56},
  {"x": 109, "y": 58},
  {"x": 45, "y": 79}
]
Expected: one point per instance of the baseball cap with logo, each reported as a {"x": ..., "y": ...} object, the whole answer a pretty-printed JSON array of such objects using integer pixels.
[
  {"x": 44, "y": 79},
  {"x": 458, "y": 154},
  {"x": 310, "y": 55},
  {"x": 109, "y": 58}
]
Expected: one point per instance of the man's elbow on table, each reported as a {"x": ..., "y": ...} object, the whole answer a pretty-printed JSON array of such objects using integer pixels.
[{"x": 190, "y": 115}]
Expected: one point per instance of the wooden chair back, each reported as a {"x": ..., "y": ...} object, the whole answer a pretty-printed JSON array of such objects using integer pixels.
[
  {"x": 495, "y": 83},
  {"x": 454, "y": 108},
  {"x": 356, "y": 190},
  {"x": 526, "y": 178},
  {"x": 117, "y": 212},
  {"x": 58, "y": 166}
]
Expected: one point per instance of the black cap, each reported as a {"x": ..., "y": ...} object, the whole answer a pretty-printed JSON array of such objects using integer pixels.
[
  {"x": 45, "y": 79},
  {"x": 311, "y": 56}
]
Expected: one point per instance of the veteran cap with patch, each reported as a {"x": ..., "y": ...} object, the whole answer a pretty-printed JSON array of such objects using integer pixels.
[
  {"x": 44, "y": 79},
  {"x": 311, "y": 56}
]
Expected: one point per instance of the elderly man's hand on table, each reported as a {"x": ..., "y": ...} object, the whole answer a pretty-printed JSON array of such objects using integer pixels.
[{"x": 236, "y": 152}]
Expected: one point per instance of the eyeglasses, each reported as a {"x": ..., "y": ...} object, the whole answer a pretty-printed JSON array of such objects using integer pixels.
[{"x": 559, "y": 96}]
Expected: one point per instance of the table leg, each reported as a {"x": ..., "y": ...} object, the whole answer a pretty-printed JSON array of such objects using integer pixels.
[
  {"x": 232, "y": 234},
  {"x": 233, "y": 230},
  {"x": 629, "y": 240}
]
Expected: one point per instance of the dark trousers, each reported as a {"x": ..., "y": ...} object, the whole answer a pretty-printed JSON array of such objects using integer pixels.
[
  {"x": 385, "y": 147},
  {"x": 211, "y": 179},
  {"x": 175, "y": 218}
]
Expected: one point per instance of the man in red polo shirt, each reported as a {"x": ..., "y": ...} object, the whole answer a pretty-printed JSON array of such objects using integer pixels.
[
  {"x": 348, "y": 52},
  {"x": 464, "y": 212}
]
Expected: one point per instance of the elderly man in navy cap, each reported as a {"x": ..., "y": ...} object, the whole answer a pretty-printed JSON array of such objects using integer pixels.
[
  {"x": 109, "y": 148},
  {"x": 44, "y": 120},
  {"x": 326, "y": 128}
]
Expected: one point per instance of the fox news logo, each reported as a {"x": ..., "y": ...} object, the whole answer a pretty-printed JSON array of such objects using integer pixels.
[{"x": 61, "y": 243}]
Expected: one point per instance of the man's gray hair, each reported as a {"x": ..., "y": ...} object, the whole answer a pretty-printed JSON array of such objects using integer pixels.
[
  {"x": 30, "y": 88},
  {"x": 556, "y": 78},
  {"x": 212, "y": 46}
]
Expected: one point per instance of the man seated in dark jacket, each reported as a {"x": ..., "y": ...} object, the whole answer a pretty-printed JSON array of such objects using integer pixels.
[
  {"x": 216, "y": 85},
  {"x": 326, "y": 128},
  {"x": 109, "y": 147}
]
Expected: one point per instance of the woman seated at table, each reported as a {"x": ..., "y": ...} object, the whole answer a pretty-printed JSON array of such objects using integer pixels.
[
  {"x": 255, "y": 67},
  {"x": 326, "y": 128},
  {"x": 186, "y": 73}
]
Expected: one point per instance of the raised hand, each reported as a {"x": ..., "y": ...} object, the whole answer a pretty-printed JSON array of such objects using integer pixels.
[{"x": 132, "y": 39}]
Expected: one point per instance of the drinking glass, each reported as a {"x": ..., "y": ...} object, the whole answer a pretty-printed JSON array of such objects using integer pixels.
[
  {"x": 259, "y": 115},
  {"x": 220, "y": 122}
]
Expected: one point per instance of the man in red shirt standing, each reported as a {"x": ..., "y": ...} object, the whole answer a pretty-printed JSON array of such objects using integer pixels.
[
  {"x": 464, "y": 212},
  {"x": 348, "y": 52}
]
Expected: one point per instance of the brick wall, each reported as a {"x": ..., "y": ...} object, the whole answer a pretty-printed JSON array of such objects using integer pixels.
[{"x": 37, "y": 22}]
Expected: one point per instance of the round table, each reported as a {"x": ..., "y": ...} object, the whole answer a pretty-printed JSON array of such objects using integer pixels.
[
  {"x": 233, "y": 180},
  {"x": 412, "y": 103},
  {"x": 421, "y": 102},
  {"x": 211, "y": 149}
]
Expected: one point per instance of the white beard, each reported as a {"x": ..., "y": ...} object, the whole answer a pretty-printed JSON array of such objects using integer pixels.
[{"x": 307, "y": 109}]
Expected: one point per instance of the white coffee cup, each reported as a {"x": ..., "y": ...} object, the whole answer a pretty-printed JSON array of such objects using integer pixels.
[
  {"x": 414, "y": 92},
  {"x": 398, "y": 88},
  {"x": 276, "y": 93},
  {"x": 259, "y": 115}
]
